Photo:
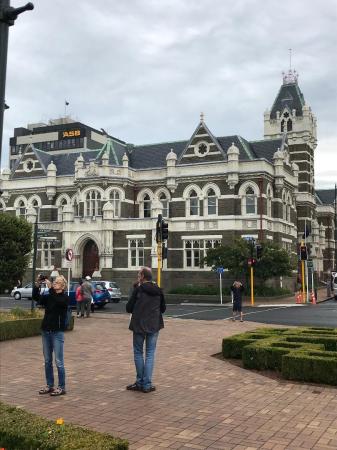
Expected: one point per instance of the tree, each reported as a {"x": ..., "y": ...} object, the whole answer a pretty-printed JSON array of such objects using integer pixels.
[
  {"x": 15, "y": 248},
  {"x": 275, "y": 261}
]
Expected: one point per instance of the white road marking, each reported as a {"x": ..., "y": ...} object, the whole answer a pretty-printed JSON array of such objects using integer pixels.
[{"x": 197, "y": 312}]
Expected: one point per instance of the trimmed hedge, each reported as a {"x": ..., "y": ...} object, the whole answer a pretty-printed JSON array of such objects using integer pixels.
[
  {"x": 21, "y": 430},
  {"x": 23, "y": 327},
  {"x": 307, "y": 354}
]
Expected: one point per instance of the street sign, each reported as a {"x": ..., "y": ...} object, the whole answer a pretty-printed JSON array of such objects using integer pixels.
[
  {"x": 45, "y": 230},
  {"x": 310, "y": 264},
  {"x": 220, "y": 270},
  {"x": 69, "y": 254}
]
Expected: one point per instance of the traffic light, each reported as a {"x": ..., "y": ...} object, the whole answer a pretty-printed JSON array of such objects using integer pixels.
[
  {"x": 164, "y": 251},
  {"x": 164, "y": 230},
  {"x": 259, "y": 250},
  {"x": 303, "y": 252},
  {"x": 251, "y": 262},
  {"x": 159, "y": 228}
]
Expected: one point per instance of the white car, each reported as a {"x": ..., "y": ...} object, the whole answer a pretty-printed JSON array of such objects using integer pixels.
[
  {"x": 26, "y": 291},
  {"x": 113, "y": 289}
]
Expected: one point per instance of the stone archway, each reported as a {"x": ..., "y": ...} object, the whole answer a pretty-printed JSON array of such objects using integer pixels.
[{"x": 90, "y": 258}]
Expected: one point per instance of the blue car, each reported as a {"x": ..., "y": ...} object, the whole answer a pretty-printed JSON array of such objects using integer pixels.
[{"x": 100, "y": 296}]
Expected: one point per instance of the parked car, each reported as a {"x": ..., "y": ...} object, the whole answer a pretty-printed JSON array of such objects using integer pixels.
[
  {"x": 114, "y": 290},
  {"x": 26, "y": 291},
  {"x": 100, "y": 296}
]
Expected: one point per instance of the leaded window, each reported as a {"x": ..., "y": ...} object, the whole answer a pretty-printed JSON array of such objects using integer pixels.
[
  {"x": 147, "y": 206},
  {"x": 193, "y": 203},
  {"x": 165, "y": 203},
  {"x": 136, "y": 253},
  {"x": 250, "y": 201},
  {"x": 195, "y": 251},
  {"x": 116, "y": 203},
  {"x": 211, "y": 202},
  {"x": 93, "y": 204}
]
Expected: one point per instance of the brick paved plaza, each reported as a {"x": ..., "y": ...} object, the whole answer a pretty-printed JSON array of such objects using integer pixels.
[{"x": 201, "y": 401}]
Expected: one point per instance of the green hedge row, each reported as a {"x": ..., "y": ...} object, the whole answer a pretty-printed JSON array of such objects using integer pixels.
[
  {"x": 307, "y": 354},
  {"x": 19, "y": 328},
  {"x": 21, "y": 430}
]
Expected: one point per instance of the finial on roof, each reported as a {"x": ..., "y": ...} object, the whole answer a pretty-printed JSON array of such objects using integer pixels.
[{"x": 201, "y": 117}]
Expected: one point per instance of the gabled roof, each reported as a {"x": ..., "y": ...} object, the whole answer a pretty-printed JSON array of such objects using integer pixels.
[
  {"x": 290, "y": 97},
  {"x": 326, "y": 196},
  {"x": 33, "y": 155}
]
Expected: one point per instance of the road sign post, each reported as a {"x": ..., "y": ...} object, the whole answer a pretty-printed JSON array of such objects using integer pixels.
[
  {"x": 69, "y": 257},
  {"x": 220, "y": 271}
]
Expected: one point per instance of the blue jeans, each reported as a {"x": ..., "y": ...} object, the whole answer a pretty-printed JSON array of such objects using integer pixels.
[
  {"x": 53, "y": 341},
  {"x": 144, "y": 369}
]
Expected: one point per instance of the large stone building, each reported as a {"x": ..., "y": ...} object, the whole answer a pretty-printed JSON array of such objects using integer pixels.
[{"x": 101, "y": 196}]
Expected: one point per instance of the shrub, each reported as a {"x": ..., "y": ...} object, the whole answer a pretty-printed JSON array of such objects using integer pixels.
[
  {"x": 260, "y": 291},
  {"x": 19, "y": 323},
  {"x": 21, "y": 430},
  {"x": 307, "y": 354}
]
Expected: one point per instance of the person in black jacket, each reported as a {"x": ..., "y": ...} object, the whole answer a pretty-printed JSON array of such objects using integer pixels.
[
  {"x": 147, "y": 303},
  {"x": 237, "y": 291},
  {"x": 56, "y": 304}
]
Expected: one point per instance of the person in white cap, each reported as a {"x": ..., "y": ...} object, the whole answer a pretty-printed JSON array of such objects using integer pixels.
[{"x": 87, "y": 292}]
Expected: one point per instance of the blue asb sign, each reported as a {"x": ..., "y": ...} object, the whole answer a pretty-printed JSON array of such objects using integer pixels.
[{"x": 220, "y": 270}]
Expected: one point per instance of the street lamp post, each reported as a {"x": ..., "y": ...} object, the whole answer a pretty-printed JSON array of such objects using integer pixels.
[{"x": 8, "y": 15}]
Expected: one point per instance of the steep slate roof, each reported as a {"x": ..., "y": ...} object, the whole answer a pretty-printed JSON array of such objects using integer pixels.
[
  {"x": 326, "y": 196},
  {"x": 154, "y": 155},
  {"x": 289, "y": 96}
]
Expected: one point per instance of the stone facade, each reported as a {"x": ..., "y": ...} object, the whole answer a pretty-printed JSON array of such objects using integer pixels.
[{"x": 102, "y": 200}]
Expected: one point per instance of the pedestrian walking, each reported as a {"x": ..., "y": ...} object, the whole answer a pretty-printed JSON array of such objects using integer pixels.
[
  {"x": 87, "y": 293},
  {"x": 80, "y": 303},
  {"x": 55, "y": 305},
  {"x": 237, "y": 291},
  {"x": 146, "y": 304}
]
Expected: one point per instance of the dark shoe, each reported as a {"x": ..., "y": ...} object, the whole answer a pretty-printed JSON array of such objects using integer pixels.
[
  {"x": 57, "y": 392},
  {"x": 133, "y": 387},
  {"x": 149, "y": 389},
  {"x": 46, "y": 390}
]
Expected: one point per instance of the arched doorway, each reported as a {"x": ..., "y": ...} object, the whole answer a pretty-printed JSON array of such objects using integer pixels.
[{"x": 90, "y": 258}]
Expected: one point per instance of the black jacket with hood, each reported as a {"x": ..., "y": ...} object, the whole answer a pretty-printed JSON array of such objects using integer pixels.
[
  {"x": 147, "y": 303},
  {"x": 55, "y": 309}
]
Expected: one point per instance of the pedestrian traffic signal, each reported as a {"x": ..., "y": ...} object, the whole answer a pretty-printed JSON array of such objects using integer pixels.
[
  {"x": 259, "y": 250},
  {"x": 164, "y": 230},
  {"x": 303, "y": 253}
]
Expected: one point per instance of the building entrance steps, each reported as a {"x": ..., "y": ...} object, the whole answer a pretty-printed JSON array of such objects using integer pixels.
[{"x": 200, "y": 402}]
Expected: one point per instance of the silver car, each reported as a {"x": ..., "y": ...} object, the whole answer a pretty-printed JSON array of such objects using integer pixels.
[
  {"x": 26, "y": 291},
  {"x": 113, "y": 289}
]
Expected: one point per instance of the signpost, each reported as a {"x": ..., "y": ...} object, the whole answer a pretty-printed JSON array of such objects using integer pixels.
[
  {"x": 69, "y": 257},
  {"x": 220, "y": 271}
]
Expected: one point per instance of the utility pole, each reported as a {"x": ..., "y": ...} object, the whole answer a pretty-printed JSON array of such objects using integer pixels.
[
  {"x": 34, "y": 257},
  {"x": 335, "y": 226},
  {"x": 8, "y": 15}
]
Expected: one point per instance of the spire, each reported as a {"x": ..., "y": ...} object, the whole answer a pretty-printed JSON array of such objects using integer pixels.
[
  {"x": 202, "y": 117},
  {"x": 291, "y": 76}
]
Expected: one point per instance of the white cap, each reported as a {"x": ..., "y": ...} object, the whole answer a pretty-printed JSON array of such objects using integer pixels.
[{"x": 87, "y": 277}]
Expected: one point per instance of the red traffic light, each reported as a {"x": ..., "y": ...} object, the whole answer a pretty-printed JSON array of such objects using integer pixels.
[{"x": 251, "y": 262}]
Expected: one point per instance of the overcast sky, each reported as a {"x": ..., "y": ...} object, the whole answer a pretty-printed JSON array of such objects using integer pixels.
[{"x": 144, "y": 70}]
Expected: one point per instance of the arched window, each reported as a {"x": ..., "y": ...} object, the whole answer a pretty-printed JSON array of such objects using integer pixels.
[
  {"x": 35, "y": 204},
  {"x": 62, "y": 204},
  {"x": 269, "y": 202},
  {"x": 289, "y": 125},
  {"x": 250, "y": 201},
  {"x": 193, "y": 205},
  {"x": 289, "y": 209},
  {"x": 284, "y": 207},
  {"x": 116, "y": 203},
  {"x": 93, "y": 204},
  {"x": 76, "y": 207},
  {"x": 147, "y": 206},
  {"x": 165, "y": 204},
  {"x": 211, "y": 202},
  {"x": 286, "y": 122},
  {"x": 21, "y": 209}
]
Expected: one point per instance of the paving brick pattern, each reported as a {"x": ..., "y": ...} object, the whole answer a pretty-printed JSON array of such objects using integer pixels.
[{"x": 201, "y": 402}]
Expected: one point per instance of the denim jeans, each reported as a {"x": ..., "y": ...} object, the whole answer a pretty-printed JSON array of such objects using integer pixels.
[
  {"x": 144, "y": 369},
  {"x": 53, "y": 341}
]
